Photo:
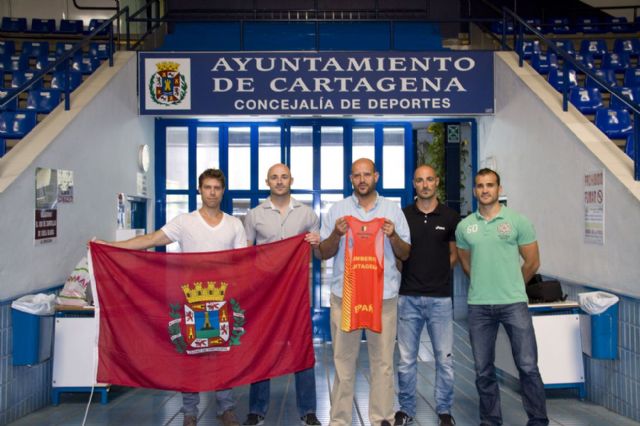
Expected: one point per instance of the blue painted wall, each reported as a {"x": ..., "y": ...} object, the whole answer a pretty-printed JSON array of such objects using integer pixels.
[{"x": 296, "y": 36}]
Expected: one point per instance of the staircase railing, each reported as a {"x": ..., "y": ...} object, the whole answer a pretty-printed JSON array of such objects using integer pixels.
[
  {"x": 65, "y": 60},
  {"x": 568, "y": 62}
]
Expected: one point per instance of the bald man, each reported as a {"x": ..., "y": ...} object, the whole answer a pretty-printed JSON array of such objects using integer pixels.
[
  {"x": 425, "y": 297},
  {"x": 365, "y": 205},
  {"x": 281, "y": 216}
]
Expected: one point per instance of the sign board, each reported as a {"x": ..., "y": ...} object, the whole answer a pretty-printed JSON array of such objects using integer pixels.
[
  {"x": 594, "y": 202},
  {"x": 316, "y": 83}
]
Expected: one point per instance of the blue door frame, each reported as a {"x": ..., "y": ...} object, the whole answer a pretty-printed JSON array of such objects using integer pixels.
[{"x": 320, "y": 314}]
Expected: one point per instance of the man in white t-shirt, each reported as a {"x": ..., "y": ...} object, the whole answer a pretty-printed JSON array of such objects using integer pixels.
[{"x": 203, "y": 230}]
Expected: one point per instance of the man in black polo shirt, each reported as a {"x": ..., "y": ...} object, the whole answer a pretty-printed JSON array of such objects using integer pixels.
[{"x": 425, "y": 297}]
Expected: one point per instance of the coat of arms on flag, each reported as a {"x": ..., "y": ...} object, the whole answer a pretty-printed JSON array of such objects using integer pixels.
[
  {"x": 210, "y": 323},
  {"x": 168, "y": 86},
  {"x": 196, "y": 322}
]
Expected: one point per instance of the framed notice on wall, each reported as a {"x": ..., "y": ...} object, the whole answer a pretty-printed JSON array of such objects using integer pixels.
[{"x": 594, "y": 202}]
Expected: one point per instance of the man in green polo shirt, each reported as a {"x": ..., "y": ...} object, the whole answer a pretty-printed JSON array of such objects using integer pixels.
[{"x": 490, "y": 244}]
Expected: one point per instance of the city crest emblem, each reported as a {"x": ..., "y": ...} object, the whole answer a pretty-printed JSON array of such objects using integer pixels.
[
  {"x": 167, "y": 86},
  {"x": 207, "y": 322}
]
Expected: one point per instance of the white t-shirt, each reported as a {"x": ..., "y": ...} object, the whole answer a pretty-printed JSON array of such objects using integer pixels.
[{"x": 193, "y": 234}]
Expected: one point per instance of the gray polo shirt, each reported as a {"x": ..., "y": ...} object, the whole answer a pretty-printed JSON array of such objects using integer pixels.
[{"x": 264, "y": 223}]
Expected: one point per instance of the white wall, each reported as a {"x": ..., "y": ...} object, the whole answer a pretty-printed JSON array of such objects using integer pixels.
[
  {"x": 100, "y": 146},
  {"x": 542, "y": 155}
]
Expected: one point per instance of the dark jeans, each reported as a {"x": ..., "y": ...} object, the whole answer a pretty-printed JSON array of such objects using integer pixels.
[
  {"x": 483, "y": 329},
  {"x": 259, "y": 394}
]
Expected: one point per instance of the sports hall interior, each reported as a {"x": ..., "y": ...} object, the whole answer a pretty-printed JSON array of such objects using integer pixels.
[{"x": 566, "y": 94}]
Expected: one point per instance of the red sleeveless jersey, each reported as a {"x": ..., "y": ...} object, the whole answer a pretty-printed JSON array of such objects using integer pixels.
[{"x": 363, "y": 275}]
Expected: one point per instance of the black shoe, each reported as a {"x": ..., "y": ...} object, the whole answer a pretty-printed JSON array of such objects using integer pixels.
[
  {"x": 254, "y": 420},
  {"x": 446, "y": 420},
  {"x": 310, "y": 419},
  {"x": 402, "y": 418},
  {"x": 385, "y": 423}
]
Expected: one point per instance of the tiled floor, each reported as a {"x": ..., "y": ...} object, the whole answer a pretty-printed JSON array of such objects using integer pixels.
[{"x": 142, "y": 407}]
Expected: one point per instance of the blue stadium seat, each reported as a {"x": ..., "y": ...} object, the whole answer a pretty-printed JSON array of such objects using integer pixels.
[
  {"x": 560, "y": 26},
  {"x": 13, "y": 25},
  {"x": 85, "y": 65},
  {"x": 596, "y": 48},
  {"x": 607, "y": 75},
  {"x": 556, "y": 79},
  {"x": 11, "y": 106},
  {"x": 586, "y": 100},
  {"x": 43, "y": 62},
  {"x": 530, "y": 48},
  {"x": 536, "y": 24},
  {"x": 95, "y": 23},
  {"x": 58, "y": 81},
  {"x": 15, "y": 125},
  {"x": 618, "y": 25},
  {"x": 63, "y": 47},
  {"x": 14, "y": 63},
  {"x": 19, "y": 78},
  {"x": 43, "y": 26},
  {"x": 3, "y": 147},
  {"x": 33, "y": 49},
  {"x": 616, "y": 124},
  {"x": 616, "y": 62},
  {"x": 99, "y": 50},
  {"x": 71, "y": 26},
  {"x": 586, "y": 60},
  {"x": 7, "y": 47},
  {"x": 615, "y": 103},
  {"x": 43, "y": 101},
  {"x": 588, "y": 26},
  {"x": 567, "y": 45},
  {"x": 632, "y": 77},
  {"x": 630, "y": 46},
  {"x": 544, "y": 63},
  {"x": 496, "y": 27}
]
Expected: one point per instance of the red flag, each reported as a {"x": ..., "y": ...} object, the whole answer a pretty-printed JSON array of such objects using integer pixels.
[{"x": 196, "y": 322}]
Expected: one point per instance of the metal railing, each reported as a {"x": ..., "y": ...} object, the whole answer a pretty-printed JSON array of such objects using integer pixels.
[
  {"x": 568, "y": 63},
  {"x": 64, "y": 62}
]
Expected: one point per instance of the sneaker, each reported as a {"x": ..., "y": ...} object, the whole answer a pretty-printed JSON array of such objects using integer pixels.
[
  {"x": 189, "y": 420},
  {"x": 254, "y": 419},
  {"x": 310, "y": 419},
  {"x": 229, "y": 418},
  {"x": 402, "y": 418},
  {"x": 446, "y": 420}
]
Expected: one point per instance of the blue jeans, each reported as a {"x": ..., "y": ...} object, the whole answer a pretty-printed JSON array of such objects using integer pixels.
[
  {"x": 483, "y": 329},
  {"x": 414, "y": 312},
  {"x": 190, "y": 401},
  {"x": 305, "y": 394}
]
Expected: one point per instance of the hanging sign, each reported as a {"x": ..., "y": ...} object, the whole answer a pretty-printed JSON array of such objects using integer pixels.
[
  {"x": 594, "y": 207},
  {"x": 318, "y": 84}
]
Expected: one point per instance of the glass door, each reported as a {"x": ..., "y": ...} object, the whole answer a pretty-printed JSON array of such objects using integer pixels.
[{"x": 319, "y": 153}]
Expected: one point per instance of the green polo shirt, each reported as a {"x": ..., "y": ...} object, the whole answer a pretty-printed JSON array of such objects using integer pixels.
[{"x": 496, "y": 277}]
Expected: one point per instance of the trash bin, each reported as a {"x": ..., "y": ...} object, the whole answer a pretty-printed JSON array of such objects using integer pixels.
[
  {"x": 32, "y": 323},
  {"x": 602, "y": 308}
]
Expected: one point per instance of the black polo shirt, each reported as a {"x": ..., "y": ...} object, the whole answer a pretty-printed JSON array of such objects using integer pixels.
[{"x": 427, "y": 270}]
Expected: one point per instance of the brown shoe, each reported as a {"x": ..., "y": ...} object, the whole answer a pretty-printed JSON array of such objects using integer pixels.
[
  {"x": 189, "y": 420},
  {"x": 229, "y": 418}
]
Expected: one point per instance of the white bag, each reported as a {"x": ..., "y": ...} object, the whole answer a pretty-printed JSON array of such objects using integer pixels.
[
  {"x": 77, "y": 288},
  {"x": 36, "y": 304},
  {"x": 596, "y": 302}
]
